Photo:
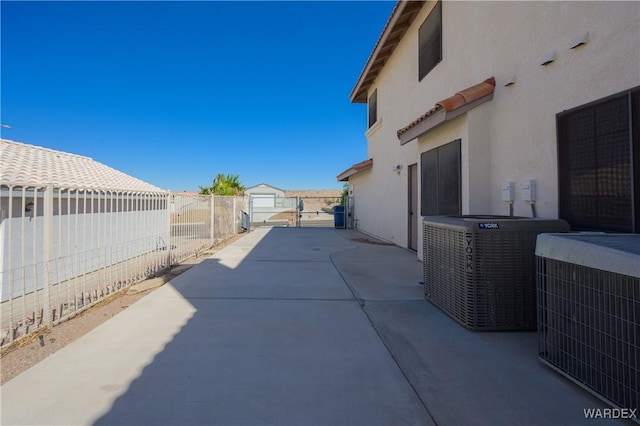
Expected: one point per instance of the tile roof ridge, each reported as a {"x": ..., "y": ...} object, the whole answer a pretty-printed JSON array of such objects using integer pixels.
[
  {"x": 469, "y": 94},
  {"x": 42, "y": 148},
  {"x": 22, "y": 163},
  {"x": 462, "y": 98}
]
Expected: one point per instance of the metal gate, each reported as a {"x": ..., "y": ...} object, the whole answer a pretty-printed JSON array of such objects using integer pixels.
[
  {"x": 281, "y": 212},
  {"x": 294, "y": 212},
  {"x": 350, "y": 217},
  {"x": 317, "y": 211}
]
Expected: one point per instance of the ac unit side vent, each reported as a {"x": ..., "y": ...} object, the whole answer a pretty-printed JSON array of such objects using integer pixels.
[
  {"x": 589, "y": 318},
  {"x": 484, "y": 278}
]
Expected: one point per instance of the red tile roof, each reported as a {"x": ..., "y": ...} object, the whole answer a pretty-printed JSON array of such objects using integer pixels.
[
  {"x": 452, "y": 103},
  {"x": 356, "y": 168},
  {"x": 423, "y": 117}
]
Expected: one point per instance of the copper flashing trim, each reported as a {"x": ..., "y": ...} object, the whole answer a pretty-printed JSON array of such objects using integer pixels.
[
  {"x": 356, "y": 168},
  {"x": 448, "y": 109}
]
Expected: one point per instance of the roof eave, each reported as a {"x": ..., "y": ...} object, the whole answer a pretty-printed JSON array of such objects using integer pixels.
[
  {"x": 265, "y": 184},
  {"x": 401, "y": 18},
  {"x": 423, "y": 127},
  {"x": 344, "y": 176},
  {"x": 438, "y": 118},
  {"x": 356, "y": 168}
]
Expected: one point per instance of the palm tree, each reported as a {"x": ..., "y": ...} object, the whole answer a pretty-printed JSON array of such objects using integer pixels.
[
  {"x": 345, "y": 194},
  {"x": 229, "y": 185}
]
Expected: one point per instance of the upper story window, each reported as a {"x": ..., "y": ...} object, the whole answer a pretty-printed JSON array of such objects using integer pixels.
[
  {"x": 373, "y": 108},
  {"x": 430, "y": 41}
]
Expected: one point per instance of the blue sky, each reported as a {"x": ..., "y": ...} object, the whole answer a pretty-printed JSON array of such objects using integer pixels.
[{"x": 175, "y": 92}]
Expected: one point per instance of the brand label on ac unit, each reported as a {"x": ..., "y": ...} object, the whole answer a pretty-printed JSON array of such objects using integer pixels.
[{"x": 488, "y": 225}]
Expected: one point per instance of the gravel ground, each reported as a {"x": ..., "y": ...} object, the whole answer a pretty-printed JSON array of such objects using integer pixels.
[{"x": 31, "y": 350}]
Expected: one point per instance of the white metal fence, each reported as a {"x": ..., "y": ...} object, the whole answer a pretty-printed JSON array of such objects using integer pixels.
[{"x": 63, "y": 249}]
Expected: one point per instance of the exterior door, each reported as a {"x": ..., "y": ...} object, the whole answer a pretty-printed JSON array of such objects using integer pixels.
[{"x": 413, "y": 207}]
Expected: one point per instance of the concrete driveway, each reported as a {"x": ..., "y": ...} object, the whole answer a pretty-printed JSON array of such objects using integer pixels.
[{"x": 286, "y": 326}]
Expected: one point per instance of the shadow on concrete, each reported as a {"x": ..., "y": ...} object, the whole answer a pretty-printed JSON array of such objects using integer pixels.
[
  {"x": 324, "y": 327},
  {"x": 274, "y": 337},
  {"x": 287, "y": 326}
]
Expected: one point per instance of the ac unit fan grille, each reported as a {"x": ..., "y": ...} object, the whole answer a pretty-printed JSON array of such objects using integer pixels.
[
  {"x": 589, "y": 328},
  {"x": 504, "y": 279}
]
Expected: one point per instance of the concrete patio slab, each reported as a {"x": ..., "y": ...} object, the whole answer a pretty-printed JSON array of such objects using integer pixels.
[
  {"x": 260, "y": 279},
  {"x": 374, "y": 276},
  {"x": 294, "y": 327},
  {"x": 79, "y": 383},
  {"x": 289, "y": 244},
  {"x": 244, "y": 362},
  {"x": 477, "y": 378},
  {"x": 216, "y": 346}
]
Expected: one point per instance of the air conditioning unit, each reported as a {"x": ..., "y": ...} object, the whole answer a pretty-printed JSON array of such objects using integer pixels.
[
  {"x": 589, "y": 312},
  {"x": 480, "y": 270}
]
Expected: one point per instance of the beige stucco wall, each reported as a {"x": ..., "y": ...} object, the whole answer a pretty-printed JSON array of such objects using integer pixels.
[{"x": 513, "y": 136}]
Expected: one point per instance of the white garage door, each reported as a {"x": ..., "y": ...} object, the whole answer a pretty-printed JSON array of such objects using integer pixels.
[{"x": 263, "y": 200}]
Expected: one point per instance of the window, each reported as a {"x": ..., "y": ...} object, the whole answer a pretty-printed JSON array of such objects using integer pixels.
[
  {"x": 599, "y": 164},
  {"x": 441, "y": 180},
  {"x": 373, "y": 108},
  {"x": 430, "y": 42}
]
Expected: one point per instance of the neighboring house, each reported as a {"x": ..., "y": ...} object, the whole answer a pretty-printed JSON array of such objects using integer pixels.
[
  {"x": 73, "y": 211},
  {"x": 265, "y": 201},
  {"x": 263, "y": 195},
  {"x": 499, "y": 107}
]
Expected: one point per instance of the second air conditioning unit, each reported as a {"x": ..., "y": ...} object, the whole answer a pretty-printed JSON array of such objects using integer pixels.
[{"x": 589, "y": 312}]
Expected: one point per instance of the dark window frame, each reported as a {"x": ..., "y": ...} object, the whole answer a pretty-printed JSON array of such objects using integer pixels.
[
  {"x": 430, "y": 42},
  {"x": 594, "y": 192},
  {"x": 372, "y": 110},
  {"x": 441, "y": 180}
]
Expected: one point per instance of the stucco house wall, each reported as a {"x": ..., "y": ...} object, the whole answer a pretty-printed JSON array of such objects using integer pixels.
[{"x": 511, "y": 137}]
